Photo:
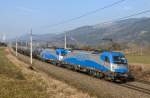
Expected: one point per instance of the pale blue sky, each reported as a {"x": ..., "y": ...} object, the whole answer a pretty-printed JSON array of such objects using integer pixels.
[{"x": 18, "y": 16}]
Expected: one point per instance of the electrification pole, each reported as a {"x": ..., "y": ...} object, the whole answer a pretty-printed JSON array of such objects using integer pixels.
[
  {"x": 65, "y": 46},
  {"x": 31, "y": 46},
  {"x": 16, "y": 46},
  {"x": 107, "y": 39},
  {"x": 26, "y": 44}
]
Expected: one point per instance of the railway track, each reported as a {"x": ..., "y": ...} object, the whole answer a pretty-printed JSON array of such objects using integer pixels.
[
  {"x": 128, "y": 85},
  {"x": 138, "y": 88},
  {"x": 142, "y": 81}
]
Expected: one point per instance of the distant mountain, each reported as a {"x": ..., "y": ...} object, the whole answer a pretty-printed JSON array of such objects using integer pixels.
[
  {"x": 134, "y": 31},
  {"x": 129, "y": 31}
]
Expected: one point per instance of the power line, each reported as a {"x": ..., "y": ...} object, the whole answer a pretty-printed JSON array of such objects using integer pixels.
[
  {"x": 86, "y": 14},
  {"x": 126, "y": 17},
  {"x": 121, "y": 18},
  {"x": 136, "y": 14}
]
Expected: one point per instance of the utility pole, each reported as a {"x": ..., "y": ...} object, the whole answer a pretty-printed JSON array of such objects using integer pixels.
[
  {"x": 65, "y": 45},
  {"x": 31, "y": 46},
  {"x": 141, "y": 51},
  {"x": 26, "y": 44},
  {"x": 16, "y": 46},
  {"x": 111, "y": 40},
  {"x": 4, "y": 39}
]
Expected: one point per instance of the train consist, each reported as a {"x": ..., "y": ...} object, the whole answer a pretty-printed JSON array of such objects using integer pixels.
[{"x": 109, "y": 65}]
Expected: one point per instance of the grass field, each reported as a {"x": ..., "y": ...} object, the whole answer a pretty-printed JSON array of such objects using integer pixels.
[
  {"x": 14, "y": 84},
  {"x": 144, "y": 59}
]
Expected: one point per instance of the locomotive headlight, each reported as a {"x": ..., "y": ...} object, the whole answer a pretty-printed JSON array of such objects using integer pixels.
[{"x": 114, "y": 66}]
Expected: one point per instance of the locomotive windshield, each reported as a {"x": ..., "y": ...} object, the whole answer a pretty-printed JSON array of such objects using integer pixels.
[{"x": 120, "y": 60}]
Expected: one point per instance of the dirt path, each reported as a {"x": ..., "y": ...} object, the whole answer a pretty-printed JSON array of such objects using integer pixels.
[
  {"x": 86, "y": 83},
  {"x": 55, "y": 88}
]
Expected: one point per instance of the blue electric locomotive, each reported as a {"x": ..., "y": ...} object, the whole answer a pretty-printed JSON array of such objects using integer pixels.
[{"x": 108, "y": 64}]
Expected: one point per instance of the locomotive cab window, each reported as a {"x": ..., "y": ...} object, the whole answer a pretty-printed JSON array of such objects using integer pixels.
[
  {"x": 120, "y": 60},
  {"x": 107, "y": 59}
]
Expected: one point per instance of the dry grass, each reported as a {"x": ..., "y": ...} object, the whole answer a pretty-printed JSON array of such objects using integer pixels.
[
  {"x": 144, "y": 59},
  {"x": 15, "y": 84},
  {"x": 140, "y": 66},
  {"x": 35, "y": 84},
  {"x": 140, "y": 71}
]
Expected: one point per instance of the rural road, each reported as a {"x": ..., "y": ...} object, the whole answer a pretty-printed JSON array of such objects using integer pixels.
[{"x": 93, "y": 86}]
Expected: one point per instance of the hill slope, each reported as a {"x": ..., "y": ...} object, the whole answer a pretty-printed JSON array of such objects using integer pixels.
[{"x": 134, "y": 31}]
